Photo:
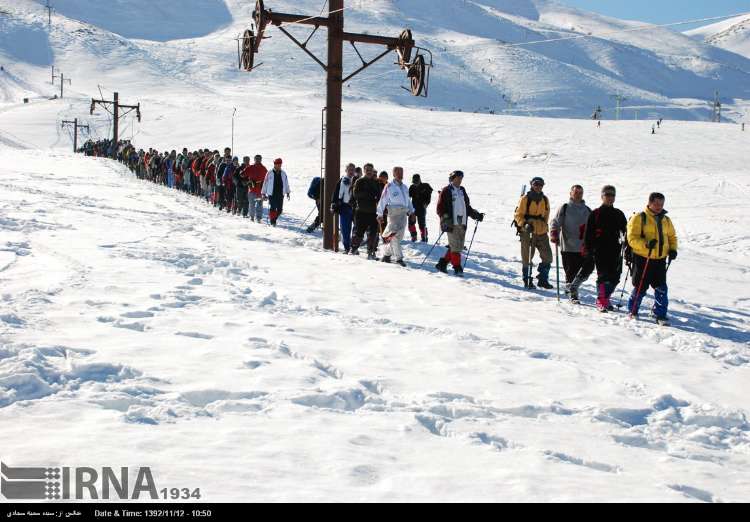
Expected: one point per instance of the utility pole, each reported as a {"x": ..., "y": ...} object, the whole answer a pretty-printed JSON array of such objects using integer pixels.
[
  {"x": 115, "y": 112},
  {"x": 716, "y": 108},
  {"x": 417, "y": 68},
  {"x": 233, "y": 115},
  {"x": 62, "y": 84},
  {"x": 75, "y": 125},
  {"x": 49, "y": 13},
  {"x": 619, "y": 98}
]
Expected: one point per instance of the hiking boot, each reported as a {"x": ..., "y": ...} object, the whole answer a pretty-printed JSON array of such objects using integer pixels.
[
  {"x": 355, "y": 252},
  {"x": 544, "y": 284},
  {"x": 400, "y": 262},
  {"x": 528, "y": 284},
  {"x": 458, "y": 270},
  {"x": 386, "y": 259},
  {"x": 442, "y": 265}
]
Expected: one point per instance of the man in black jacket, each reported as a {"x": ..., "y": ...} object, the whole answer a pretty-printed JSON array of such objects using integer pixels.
[
  {"x": 605, "y": 232},
  {"x": 367, "y": 191},
  {"x": 421, "y": 195},
  {"x": 455, "y": 210}
]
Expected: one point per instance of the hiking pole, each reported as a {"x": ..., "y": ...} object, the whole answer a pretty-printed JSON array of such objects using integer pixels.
[
  {"x": 624, "y": 286},
  {"x": 640, "y": 286},
  {"x": 627, "y": 275},
  {"x": 557, "y": 262},
  {"x": 433, "y": 248},
  {"x": 310, "y": 214},
  {"x": 531, "y": 257},
  {"x": 471, "y": 245}
]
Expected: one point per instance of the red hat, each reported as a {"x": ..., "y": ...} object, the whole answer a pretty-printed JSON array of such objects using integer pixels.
[{"x": 277, "y": 161}]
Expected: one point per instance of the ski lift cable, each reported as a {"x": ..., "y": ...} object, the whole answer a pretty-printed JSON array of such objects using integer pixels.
[
  {"x": 388, "y": 73},
  {"x": 301, "y": 22}
]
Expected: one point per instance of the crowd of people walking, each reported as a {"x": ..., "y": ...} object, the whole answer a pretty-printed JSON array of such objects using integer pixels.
[{"x": 383, "y": 208}]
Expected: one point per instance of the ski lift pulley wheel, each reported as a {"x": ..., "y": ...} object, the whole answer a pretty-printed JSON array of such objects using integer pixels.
[
  {"x": 417, "y": 75},
  {"x": 405, "y": 48},
  {"x": 248, "y": 51},
  {"x": 261, "y": 21}
]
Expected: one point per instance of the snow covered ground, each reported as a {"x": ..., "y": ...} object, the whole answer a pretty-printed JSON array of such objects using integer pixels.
[
  {"x": 140, "y": 327},
  {"x": 143, "y": 328}
]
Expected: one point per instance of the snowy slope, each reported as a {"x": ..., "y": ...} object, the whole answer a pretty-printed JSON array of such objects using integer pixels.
[
  {"x": 660, "y": 72},
  {"x": 143, "y": 19},
  {"x": 142, "y": 327},
  {"x": 732, "y": 35}
]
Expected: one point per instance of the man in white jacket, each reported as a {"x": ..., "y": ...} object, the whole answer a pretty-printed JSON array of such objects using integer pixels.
[
  {"x": 275, "y": 187},
  {"x": 396, "y": 200}
]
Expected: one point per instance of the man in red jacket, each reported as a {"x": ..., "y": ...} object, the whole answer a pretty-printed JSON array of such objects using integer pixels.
[{"x": 256, "y": 176}]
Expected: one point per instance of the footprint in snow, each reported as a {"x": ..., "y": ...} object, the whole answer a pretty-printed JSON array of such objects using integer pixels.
[{"x": 195, "y": 335}]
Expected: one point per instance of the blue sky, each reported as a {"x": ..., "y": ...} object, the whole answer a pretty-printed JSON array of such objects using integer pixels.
[{"x": 663, "y": 11}]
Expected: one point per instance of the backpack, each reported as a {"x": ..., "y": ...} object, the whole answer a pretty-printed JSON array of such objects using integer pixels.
[
  {"x": 424, "y": 193},
  {"x": 314, "y": 191},
  {"x": 627, "y": 253}
]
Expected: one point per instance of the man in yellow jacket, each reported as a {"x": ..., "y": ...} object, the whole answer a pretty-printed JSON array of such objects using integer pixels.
[
  {"x": 652, "y": 237},
  {"x": 532, "y": 220}
]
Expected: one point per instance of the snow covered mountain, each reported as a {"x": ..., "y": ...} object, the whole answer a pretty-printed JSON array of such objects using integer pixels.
[
  {"x": 732, "y": 35},
  {"x": 659, "y": 71}
]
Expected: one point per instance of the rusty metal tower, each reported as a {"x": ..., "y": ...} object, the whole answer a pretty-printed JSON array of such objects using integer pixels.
[{"x": 411, "y": 59}]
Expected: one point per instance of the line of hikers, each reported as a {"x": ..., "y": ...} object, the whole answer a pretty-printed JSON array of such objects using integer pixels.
[
  {"x": 368, "y": 204},
  {"x": 602, "y": 240},
  {"x": 238, "y": 188}
]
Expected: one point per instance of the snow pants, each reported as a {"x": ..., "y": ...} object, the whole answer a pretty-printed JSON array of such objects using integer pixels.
[
  {"x": 529, "y": 244},
  {"x": 397, "y": 221},
  {"x": 656, "y": 278}
]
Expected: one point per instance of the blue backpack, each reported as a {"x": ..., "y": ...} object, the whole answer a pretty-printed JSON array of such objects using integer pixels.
[{"x": 314, "y": 191}]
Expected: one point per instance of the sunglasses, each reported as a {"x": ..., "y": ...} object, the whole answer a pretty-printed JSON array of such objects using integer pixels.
[{"x": 609, "y": 195}]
